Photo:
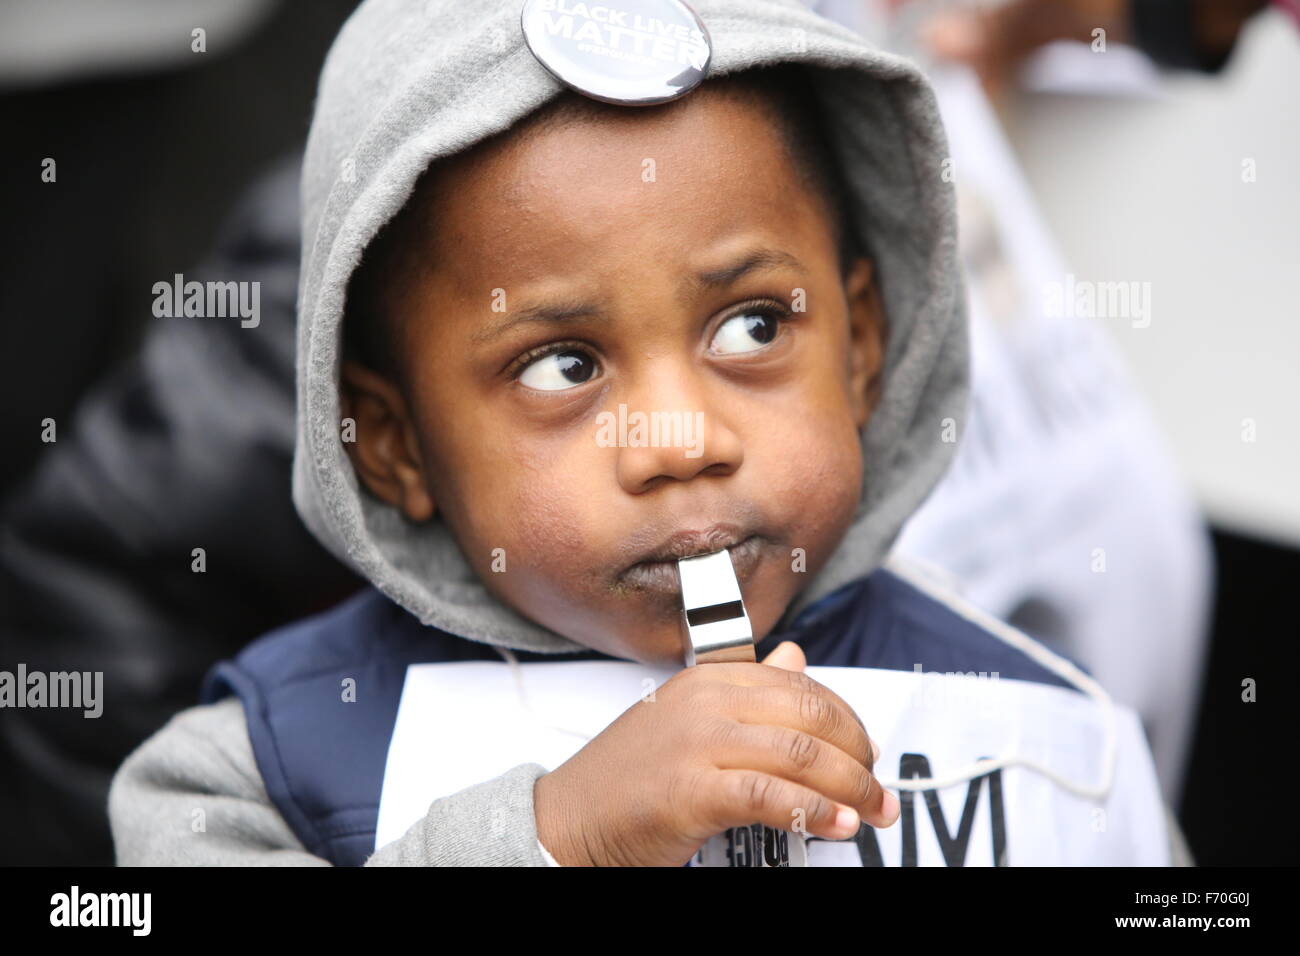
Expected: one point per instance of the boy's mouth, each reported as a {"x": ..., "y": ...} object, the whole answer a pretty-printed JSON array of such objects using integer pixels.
[{"x": 657, "y": 570}]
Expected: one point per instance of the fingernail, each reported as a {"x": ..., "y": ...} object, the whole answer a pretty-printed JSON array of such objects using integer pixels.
[
  {"x": 875, "y": 752},
  {"x": 890, "y": 807},
  {"x": 953, "y": 36},
  {"x": 847, "y": 821}
]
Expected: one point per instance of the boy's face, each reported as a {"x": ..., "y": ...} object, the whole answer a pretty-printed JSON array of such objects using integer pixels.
[{"x": 654, "y": 259}]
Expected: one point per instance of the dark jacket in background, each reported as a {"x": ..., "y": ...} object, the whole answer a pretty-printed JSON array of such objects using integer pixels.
[{"x": 178, "y": 450}]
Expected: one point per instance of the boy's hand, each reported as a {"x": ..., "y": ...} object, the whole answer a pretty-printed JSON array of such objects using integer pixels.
[{"x": 721, "y": 745}]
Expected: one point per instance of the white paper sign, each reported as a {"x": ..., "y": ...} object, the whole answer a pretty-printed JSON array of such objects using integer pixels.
[{"x": 460, "y": 724}]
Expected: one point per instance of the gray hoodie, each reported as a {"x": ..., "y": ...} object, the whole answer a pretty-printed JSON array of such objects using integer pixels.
[{"x": 408, "y": 82}]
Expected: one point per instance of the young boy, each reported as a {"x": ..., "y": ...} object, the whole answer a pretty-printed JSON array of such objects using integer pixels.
[{"x": 503, "y": 282}]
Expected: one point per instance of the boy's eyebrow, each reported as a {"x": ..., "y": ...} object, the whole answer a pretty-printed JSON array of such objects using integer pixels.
[
  {"x": 692, "y": 287},
  {"x": 552, "y": 312},
  {"x": 756, "y": 259}
]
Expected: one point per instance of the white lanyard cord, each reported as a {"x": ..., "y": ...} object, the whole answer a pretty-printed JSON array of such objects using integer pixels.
[{"x": 1051, "y": 661}]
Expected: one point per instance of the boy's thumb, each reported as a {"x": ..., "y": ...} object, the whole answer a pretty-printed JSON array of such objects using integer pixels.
[{"x": 788, "y": 656}]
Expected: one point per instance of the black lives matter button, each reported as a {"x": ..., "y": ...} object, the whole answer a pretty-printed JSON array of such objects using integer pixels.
[{"x": 629, "y": 52}]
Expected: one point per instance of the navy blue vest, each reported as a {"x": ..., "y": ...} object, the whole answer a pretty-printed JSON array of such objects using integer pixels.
[{"x": 322, "y": 759}]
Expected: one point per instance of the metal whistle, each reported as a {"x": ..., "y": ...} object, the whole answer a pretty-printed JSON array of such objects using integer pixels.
[
  {"x": 715, "y": 625},
  {"x": 716, "y": 628}
]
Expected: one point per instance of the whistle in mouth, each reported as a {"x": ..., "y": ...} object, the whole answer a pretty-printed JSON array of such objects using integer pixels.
[{"x": 715, "y": 625}]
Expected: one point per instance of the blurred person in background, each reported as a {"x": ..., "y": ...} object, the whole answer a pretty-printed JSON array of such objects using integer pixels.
[{"x": 993, "y": 39}]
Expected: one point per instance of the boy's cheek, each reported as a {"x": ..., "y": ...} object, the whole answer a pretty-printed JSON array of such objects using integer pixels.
[
  {"x": 816, "y": 492},
  {"x": 816, "y": 462}
]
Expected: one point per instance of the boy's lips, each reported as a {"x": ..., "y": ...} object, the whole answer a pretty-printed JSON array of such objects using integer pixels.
[
  {"x": 688, "y": 544},
  {"x": 658, "y": 570}
]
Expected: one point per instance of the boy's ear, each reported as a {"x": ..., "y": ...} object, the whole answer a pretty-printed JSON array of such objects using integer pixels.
[
  {"x": 384, "y": 451},
  {"x": 866, "y": 338}
]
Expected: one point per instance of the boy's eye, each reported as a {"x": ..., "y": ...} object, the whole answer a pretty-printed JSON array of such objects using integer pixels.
[
  {"x": 745, "y": 333},
  {"x": 558, "y": 370}
]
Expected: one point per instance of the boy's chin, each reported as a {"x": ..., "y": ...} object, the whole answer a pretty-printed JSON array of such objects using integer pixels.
[{"x": 653, "y": 648}]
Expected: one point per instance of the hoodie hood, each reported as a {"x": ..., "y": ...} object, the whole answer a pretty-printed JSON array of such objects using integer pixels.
[{"x": 408, "y": 82}]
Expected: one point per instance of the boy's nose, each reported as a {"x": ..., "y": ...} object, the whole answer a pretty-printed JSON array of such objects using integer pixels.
[{"x": 675, "y": 442}]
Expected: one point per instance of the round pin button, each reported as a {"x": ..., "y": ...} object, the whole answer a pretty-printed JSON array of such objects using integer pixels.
[{"x": 627, "y": 52}]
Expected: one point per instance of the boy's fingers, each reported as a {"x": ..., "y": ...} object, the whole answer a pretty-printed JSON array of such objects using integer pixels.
[
  {"x": 801, "y": 758},
  {"x": 788, "y": 656},
  {"x": 747, "y": 675},
  {"x": 746, "y": 796},
  {"x": 824, "y": 717}
]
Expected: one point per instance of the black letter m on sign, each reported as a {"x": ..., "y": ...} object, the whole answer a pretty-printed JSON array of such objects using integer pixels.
[{"x": 954, "y": 848}]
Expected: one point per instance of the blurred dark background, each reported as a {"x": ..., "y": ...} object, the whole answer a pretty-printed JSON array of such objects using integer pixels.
[
  {"x": 157, "y": 148},
  {"x": 149, "y": 164}
]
